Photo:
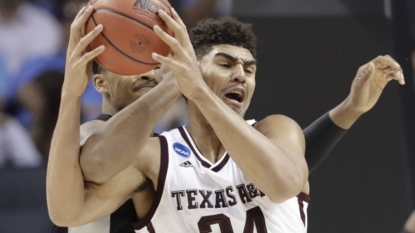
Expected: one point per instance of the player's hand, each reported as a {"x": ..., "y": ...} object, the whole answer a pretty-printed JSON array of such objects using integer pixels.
[
  {"x": 183, "y": 59},
  {"x": 164, "y": 72},
  {"x": 78, "y": 61},
  {"x": 370, "y": 81}
]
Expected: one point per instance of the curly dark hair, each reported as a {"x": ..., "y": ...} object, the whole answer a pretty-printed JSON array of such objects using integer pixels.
[{"x": 227, "y": 30}]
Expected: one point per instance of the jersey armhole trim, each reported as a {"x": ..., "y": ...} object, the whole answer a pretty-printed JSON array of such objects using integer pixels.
[
  {"x": 304, "y": 197},
  {"x": 164, "y": 162},
  {"x": 301, "y": 198}
]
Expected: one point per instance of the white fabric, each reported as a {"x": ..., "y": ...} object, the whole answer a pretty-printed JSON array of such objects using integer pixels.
[
  {"x": 99, "y": 226},
  {"x": 187, "y": 179}
]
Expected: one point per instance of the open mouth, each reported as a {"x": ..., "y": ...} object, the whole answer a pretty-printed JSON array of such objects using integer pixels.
[{"x": 237, "y": 95}]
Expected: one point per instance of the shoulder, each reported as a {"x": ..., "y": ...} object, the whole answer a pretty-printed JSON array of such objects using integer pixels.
[
  {"x": 149, "y": 159},
  {"x": 89, "y": 128},
  {"x": 278, "y": 123},
  {"x": 150, "y": 152},
  {"x": 283, "y": 131}
]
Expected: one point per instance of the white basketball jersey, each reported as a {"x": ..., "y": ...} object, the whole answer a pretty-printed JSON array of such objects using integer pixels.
[
  {"x": 194, "y": 195},
  {"x": 99, "y": 226}
]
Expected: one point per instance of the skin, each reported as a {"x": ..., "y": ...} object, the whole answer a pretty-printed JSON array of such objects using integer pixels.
[
  {"x": 410, "y": 223},
  {"x": 97, "y": 185},
  {"x": 66, "y": 188}
]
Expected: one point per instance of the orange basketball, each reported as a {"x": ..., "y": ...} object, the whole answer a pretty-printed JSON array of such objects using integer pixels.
[{"x": 128, "y": 34}]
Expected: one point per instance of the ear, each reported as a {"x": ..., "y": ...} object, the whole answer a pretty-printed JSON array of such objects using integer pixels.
[{"x": 100, "y": 83}]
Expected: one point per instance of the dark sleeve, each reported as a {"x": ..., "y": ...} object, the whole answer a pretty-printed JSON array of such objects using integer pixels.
[{"x": 321, "y": 136}]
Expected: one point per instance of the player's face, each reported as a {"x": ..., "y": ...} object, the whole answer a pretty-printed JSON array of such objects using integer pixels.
[
  {"x": 230, "y": 72},
  {"x": 124, "y": 90}
]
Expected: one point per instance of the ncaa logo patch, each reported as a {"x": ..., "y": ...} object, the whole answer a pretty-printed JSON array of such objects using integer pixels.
[{"x": 181, "y": 150}]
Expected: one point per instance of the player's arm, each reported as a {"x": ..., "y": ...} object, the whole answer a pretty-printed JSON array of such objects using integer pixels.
[
  {"x": 368, "y": 84},
  {"x": 115, "y": 145},
  {"x": 102, "y": 199},
  {"x": 409, "y": 226},
  {"x": 271, "y": 155},
  {"x": 273, "y": 161},
  {"x": 64, "y": 181}
]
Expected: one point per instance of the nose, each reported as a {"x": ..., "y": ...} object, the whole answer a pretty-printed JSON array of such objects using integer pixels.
[
  {"x": 238, "y": 74},
  {"x": 149, "y": 76}
]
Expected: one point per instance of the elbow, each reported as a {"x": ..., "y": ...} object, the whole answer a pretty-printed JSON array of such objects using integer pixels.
[
  {"x": 65, "y": 213},
  {"x": 278, "y": 198},
  {"x": 60, "y": 222},
  {"x": 62, "y": 219},
  {"x": 289, "y": 189}
]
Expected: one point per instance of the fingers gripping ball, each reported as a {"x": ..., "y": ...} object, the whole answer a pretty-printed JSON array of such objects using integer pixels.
[{"x": 128, "y": 34}]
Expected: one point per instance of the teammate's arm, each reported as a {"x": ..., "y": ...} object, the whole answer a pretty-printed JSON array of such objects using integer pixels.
[
  {"x": 323, "y": 134},
  {"x": 116, "y": 144},
  {"x": 71, "y": 201},
  {"x": 64, "y": 181}
]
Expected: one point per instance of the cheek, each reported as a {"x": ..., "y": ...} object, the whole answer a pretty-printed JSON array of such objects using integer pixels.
[
  {"x": 251, "y": 86},
  {"x": 215, "y": 79}
]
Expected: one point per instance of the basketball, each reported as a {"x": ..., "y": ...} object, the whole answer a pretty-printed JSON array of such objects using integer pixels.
[{"x": 128, "y": 34}]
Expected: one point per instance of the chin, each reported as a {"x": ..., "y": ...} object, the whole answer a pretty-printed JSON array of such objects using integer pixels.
[{"x": 237, "y": 109}]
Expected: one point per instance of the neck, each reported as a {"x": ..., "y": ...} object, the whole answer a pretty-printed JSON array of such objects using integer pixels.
[
  {"x": 204, "y": 136},
  {"x": 108, "y": 108}
]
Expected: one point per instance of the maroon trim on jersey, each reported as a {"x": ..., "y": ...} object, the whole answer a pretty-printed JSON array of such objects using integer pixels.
[
  {"x": 302, "y": 197},
  {"x": 150, "y": 228},
  {"x": 216, "y": 167},
  {"x": 164, "y": 164},
  {"x": 222, "y": 163},
  {"x": 184, "y": 135}
]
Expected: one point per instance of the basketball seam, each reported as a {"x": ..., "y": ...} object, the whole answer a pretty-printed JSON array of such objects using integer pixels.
[
  {"x": 124, "y": 15},
  {"x": 119, "y": 50}
]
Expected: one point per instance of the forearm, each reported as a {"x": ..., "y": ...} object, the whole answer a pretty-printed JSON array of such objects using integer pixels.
[
  {"x": 321, "y": 136},
  {"x": 107, "y": 152},
  {"x": 410, "y": 223},
  {"x": 345, "y": 115},
  {"x": 324, "y": 133},
  {"x": 65, "y": 186},
  {"x": 262, "y": 161}
]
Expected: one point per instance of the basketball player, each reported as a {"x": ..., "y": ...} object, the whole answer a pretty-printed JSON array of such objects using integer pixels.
[{"x": 144, "y": 179}]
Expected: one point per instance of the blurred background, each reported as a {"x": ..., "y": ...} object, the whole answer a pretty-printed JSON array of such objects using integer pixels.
[{"x": 308, "y": 54}]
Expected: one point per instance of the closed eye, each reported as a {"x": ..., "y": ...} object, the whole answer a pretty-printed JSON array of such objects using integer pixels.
[{"x": 225, "y": 65}]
